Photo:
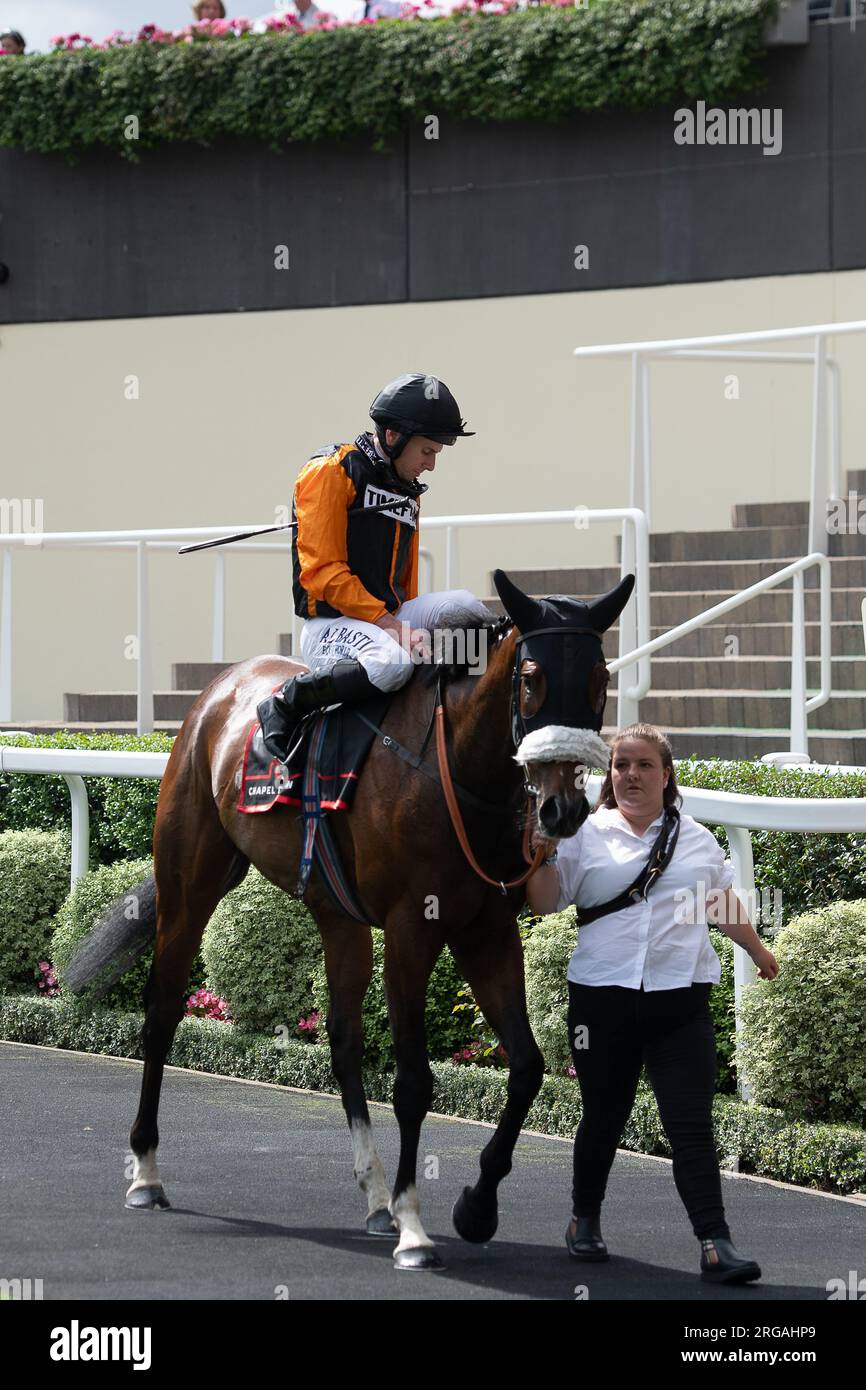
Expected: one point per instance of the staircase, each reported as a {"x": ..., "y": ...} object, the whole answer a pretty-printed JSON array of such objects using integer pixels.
[
  {"x": 717, "y": 697},
  {"x": 721, "y": 691}
]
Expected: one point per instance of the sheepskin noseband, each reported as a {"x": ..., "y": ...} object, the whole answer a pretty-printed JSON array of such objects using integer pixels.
[{"x": 558, "y": 744}]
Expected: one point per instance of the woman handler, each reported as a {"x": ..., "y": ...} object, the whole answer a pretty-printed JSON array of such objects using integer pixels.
[{"x": 639, "y": 983}]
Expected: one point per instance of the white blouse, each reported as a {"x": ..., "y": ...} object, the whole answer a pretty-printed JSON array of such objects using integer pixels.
[{"x": 661, "y": 943}]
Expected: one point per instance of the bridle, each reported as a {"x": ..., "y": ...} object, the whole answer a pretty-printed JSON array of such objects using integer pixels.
[
  {"x": 454, "y": 792},
  {"x": 518, "y": 724}
]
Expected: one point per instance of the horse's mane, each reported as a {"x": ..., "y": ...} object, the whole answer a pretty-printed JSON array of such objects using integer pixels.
[{"x": 427, "y": 672}]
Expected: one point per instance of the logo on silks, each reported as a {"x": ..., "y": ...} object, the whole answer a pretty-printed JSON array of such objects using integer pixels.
[{"x": 560, "y": 680}]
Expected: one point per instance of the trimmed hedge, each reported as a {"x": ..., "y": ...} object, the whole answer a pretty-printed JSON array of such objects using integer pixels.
[
  {"x": 540, "y": 64},
  {"x": 122, "y": 809},
  {"x": 753, "y": 1138},
  {"x": 446, "y": 1030},
  {"x": 34, "y": 879},
  {"x": 260, "y": 950},
  {"x": 83, "y": 907},
  {"x": 803, "y": 1040},
  {"x": 805, "y": 871}
]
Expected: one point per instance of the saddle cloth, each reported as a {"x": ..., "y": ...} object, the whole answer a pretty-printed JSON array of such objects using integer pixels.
[
  {"x": 322, "y": 774},
  {"x": 342, "y": 743}
]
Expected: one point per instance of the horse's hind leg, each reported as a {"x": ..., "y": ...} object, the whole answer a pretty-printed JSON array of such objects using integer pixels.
[
  {"x": 194, "y": 868},
  {"x": 349, "y": 966}
]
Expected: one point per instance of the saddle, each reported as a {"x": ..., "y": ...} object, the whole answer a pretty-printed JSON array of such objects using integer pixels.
[{"x": 320, "y": 775}]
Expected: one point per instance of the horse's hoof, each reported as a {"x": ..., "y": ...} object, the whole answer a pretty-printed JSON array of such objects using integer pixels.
[
  {"x": 418, "y": 1257},
  {"x": 147, "y": 1199},
  {"x": 381, "y": 1223},
  {"x": 473, "y": 1222}
]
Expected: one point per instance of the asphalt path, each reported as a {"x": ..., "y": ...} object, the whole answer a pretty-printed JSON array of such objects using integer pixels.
[{"x": 264, "y": 1204}]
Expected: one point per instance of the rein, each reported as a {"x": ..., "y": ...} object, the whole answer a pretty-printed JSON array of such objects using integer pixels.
[{"x": 453, "y": 791}]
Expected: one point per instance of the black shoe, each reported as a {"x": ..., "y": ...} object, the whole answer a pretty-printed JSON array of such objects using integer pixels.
[
  {"x": 282, "y": 713},
  {"x": 721, "y": 1264},
  {"x": 586, "y": 1243}
]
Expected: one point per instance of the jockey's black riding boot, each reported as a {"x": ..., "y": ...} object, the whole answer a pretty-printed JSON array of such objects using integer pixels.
[{"x": 282, "y": 712}]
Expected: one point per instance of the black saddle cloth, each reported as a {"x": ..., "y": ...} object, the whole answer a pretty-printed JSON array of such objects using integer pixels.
[{"x": 337, "y": 740}]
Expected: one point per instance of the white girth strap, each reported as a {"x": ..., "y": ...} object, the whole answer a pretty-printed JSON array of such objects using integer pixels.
[{"x": 558, "y": 744}]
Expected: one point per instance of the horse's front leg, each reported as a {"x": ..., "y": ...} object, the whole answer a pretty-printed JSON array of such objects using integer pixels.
[
  {"x": 409, "y": 958},
  {"x": 489, "y": 955}
]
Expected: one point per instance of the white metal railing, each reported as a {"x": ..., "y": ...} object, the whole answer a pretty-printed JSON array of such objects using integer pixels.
[
  {"x": 801, "y": 705},
  {"x": 825, "y": 440},
  {"x": 634, "y": 623},
  {"x": 738, "y": 814}
]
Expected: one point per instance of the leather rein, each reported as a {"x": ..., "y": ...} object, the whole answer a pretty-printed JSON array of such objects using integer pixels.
[{"x": 453, "y": 791}]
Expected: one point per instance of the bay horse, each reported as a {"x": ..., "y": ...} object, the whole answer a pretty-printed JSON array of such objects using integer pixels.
[{"x": 405, "y": 844}]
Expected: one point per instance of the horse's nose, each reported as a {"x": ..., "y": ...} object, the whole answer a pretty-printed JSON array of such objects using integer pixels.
[{"x": 562, "y": 817}]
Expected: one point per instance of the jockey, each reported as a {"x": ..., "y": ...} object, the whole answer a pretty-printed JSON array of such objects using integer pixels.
[{"x": 355, "y": 577}]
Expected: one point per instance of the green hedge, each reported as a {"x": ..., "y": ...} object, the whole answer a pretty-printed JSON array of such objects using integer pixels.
[
  {"x": 122, "y": 809},
  {"x": 260, "y": 950},
  {"x": 808, "y": 871},
  {"x": 446, "y": 1030},
  {"x": 34, "y": 879},
  {"x": 753, "y": 1138},
  {"x": 540, "y": 64},
  {"x": 803, "y": 1040},
  {"x": 805, "y": 871}
]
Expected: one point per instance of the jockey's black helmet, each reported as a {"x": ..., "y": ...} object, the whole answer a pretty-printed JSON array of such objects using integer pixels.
[{"x": 417, "y": 404}]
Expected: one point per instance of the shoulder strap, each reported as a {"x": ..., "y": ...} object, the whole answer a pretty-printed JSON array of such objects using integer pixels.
[{"x": 660, "y": 856}]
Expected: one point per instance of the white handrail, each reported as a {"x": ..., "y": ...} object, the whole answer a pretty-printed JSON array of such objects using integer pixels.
[
  {"x": 800, "y": 705},
  {"x": 633, "y": 625},
  {"x": 825, "y": 417},
  {"x": 738, "y": 814}
]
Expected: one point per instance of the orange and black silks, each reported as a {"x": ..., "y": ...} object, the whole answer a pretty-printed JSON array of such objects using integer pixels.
[{"x": 353, "y": 568}]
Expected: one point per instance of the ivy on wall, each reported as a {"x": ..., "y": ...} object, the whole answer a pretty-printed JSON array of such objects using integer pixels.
[{"x": 540, "y": 64}]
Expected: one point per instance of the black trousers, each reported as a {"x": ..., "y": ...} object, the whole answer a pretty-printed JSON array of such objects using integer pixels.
[{"x": 613, "y": 1032}]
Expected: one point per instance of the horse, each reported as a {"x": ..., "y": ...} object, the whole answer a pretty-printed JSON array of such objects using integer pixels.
[{"x": 406, "y": 843}]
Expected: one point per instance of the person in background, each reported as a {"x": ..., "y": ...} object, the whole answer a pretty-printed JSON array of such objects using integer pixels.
[
  {"x": 208, "y": 9},
  {"x": 639, "y": 986},
  {"x": 12, "y": 44}
]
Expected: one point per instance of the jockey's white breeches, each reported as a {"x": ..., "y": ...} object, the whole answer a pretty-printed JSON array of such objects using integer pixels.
[{"x": 388, "y": 665}]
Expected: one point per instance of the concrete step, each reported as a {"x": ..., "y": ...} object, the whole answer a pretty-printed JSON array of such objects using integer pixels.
[
  {"x": 115, "y": 706},
  {"x": 681, "y": 576},
  {"x": 773, "y": 606},
  {"x": 752, "y": 639},
  {"x": 770, "y": 514},
  {"x": 752, "y": 673},
  {"x": 754, "y": 743},
  {"x": 736, "y": 709},
  {"x": 748, "y": 543},
  {"x": 195, "y": 675}
]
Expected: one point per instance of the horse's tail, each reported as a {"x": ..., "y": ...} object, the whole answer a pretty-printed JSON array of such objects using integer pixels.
[{"x": 115, "y": 942}]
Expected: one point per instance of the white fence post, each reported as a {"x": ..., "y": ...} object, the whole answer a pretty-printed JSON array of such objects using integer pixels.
[
  {"x": 144, "y": 721},
  {"x": 218, "y": 637},
  {"x": 80, "y": 826},
  {"x": 799, "y": 727},
  {"x": 6, "y": 638},
  {"x": 818, "y": 489},
  {"x": 627, "y": 676}
]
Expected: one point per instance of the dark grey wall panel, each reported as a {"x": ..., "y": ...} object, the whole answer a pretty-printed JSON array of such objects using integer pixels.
[
  {"x": 482, "y": 210},
  {"x": 191, "y": 231},
  {"x": 849, "y": 145},
  {"x": 500, "y": 216}
]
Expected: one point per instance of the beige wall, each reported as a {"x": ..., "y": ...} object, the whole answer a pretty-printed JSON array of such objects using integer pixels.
[{"x": 231, "y": 405}]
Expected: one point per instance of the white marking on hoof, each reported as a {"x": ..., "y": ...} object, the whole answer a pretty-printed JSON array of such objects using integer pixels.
[
  {"x": 406, "y": 1212},
  {"x": 368, "y": 1167},
  {"x": 145, "y": 1173}
]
